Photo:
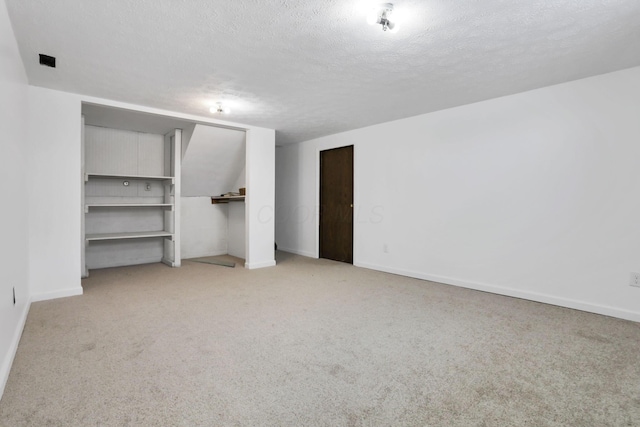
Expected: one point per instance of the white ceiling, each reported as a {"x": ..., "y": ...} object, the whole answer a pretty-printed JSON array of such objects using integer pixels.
[{"x": 309, "y": 68}]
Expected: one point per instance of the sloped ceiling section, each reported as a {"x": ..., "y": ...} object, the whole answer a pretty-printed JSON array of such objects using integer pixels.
[
  {"x": 214, "y": 162},
  {"x": 310, "y": 68}
]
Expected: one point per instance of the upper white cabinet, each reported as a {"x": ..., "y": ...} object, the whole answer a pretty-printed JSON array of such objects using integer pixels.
[{"x": 131, "y": 197}]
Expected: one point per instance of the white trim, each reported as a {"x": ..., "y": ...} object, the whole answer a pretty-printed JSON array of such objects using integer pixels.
[
  {"x": 297, "y": 252},
  {"x": 5, "y": 368},
  {"x": 247, "y": 199},
  {"x": 516, "y": 293},
  {"x": 259, "y": 265},
  {"x": 168, "y": 262},
  {"x": 70, "y": 292},
  {"x": 316, "y": 210}
]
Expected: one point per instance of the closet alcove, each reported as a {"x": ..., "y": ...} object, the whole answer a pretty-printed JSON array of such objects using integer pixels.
[{"x": 147, "y": 183}]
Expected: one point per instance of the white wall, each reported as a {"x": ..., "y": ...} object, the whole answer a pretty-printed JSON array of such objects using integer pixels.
[
  {"x": 13, "y": 215},
  {"x": 241, "y": 180},
  {"x": 297, "y": 196},
  {"x": 260, "y": 200},
  {"x": 532, "y": 195},
  {"x": 54, "y": 193},
  {"x": 237, "y": 232},
  {"x": 204, "y": 228},
  {"x": 213, "y": 161}
]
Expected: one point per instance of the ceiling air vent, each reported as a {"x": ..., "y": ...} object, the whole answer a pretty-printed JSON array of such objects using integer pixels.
[{"x": 49, "y": 61}]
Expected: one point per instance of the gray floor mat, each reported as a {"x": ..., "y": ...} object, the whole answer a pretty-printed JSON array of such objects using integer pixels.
[{"x": 215, "y": 260}]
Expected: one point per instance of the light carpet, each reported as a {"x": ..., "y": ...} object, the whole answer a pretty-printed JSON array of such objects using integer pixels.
[{"x": 314, "y": 343}]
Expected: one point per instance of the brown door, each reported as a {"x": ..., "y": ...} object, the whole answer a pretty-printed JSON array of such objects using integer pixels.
[{"x": 336, "y": 204}]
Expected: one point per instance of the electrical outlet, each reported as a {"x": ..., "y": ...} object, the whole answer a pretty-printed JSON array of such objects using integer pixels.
[
  {"x": 634, "y": 280},
  {"x": 385, "y": 248}
]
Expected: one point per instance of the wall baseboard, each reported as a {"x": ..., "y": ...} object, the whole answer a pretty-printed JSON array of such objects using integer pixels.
[
  {"x": 57, "y": 294},
  {"x": 297, "y": 252},
  {"x": 255, "y": 265},
  {"x": 5, "y": 368},
  {"x": 510, "y": 292}
]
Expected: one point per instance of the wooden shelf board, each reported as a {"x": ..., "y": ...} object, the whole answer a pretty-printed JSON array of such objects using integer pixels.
[
  {"x": 226, "y": 199},
  {"x": 132, "y": 235}
]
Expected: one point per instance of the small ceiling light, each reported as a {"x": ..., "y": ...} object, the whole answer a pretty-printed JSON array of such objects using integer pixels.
[
  {"x": 220, "y": 109},
  {"x": 382, "y": 15}
]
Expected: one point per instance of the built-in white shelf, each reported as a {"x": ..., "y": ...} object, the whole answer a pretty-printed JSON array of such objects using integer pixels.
[
  {"x": 89, "y": 176},
  {"x": 127, "y": 205},
  {"x": 132, "y": 235},
  {"x": 131, "y": 185}
]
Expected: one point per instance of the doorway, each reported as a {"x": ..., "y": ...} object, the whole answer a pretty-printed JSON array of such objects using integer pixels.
[{"x": 336, "y": 204}]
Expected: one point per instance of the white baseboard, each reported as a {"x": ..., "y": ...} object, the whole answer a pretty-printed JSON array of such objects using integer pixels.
[
  {"x": 297, "y": 252},
  {"x": 57, "y": 294},
  {"x": 255, "y": 265},
  {"x": 516, "y": 293},
  {"x": 170, "y": 263},
  {"x": 5, "y": 368}
]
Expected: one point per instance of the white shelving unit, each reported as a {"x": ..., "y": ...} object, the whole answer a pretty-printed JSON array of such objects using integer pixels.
[{"x": 131, "y": 198}]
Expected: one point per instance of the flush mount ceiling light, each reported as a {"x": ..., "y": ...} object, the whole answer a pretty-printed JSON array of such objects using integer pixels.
[
  {"x": 220, "y": 109},
  {"x": 381, "y": 14}
]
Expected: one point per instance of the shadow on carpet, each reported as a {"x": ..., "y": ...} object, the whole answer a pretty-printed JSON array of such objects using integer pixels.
[{"x": 215, "y": 260}]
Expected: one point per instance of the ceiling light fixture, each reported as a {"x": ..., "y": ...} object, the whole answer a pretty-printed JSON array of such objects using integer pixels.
[
  {"x": 382, "y": 15},
  {"x": 220, "y": 109}
]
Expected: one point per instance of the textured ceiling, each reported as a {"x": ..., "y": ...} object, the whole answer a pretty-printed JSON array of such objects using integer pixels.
[{"x": 310, "y": 68}]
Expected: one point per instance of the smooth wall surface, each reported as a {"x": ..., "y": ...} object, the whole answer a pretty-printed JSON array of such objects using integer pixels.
[
  {"x": 532, "y": 195},
  {"x": 213, "y": 162},
  {"x": 54, "y": 193},
  {"x": 237, "y": 234},
  {"x": 14, "y": 259},
  {"x": 204, "y": 228},
  {"x": 260, "y": 200}
]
